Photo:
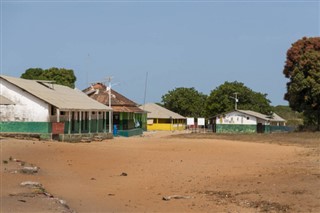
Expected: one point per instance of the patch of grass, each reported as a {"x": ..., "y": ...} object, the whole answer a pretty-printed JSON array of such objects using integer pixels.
[{"x": 5, "y": 161}]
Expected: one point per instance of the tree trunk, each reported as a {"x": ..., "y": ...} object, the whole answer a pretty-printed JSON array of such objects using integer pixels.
[{"x": 318, "y": 128}]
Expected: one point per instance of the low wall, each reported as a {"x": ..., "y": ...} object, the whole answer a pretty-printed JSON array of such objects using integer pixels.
[
  {"x": 165, "y": 127},
  {"x": 281, "y": 129},
  {"x": 236, "y": 128},
  {"x": 83, "y": 137},
  {"x": 129, "y": 133},
  {"x": 240, "y": 128}
]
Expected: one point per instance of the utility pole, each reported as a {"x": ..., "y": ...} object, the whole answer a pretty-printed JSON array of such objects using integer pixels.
[
  {"x": 235, "y": 100},
  {"x": 109, "y": 79}
]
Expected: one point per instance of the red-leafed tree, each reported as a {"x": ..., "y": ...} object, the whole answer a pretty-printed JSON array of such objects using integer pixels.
[{"x": 302, "y": 68}]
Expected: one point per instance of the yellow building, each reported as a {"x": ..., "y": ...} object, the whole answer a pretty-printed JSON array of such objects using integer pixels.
[{"x": 160, "y": 118}]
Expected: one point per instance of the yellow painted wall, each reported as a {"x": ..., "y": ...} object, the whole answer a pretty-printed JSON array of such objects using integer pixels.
[{"x": 166, "y": 127}]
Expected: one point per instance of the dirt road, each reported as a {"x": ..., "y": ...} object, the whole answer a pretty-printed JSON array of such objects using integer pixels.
[{"x": 135, "y": 174}]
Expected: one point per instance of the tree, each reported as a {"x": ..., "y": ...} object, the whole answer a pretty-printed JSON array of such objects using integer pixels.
[
  {"x": 302, "y": 68},
  {"x": 222, "y": 99},
  {"x": 187, "y": 102},
  {"x": 61, "y": 76}
]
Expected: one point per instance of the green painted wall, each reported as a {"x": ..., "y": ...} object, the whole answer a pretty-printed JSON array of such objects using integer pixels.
[
  {"x": 127, "y": 120},
  {"x": 236, "y": 128},
  {"x": 281, "y": 129},
  {"x": 30, "y": 127},
  {"x": 85, "y": 127}
]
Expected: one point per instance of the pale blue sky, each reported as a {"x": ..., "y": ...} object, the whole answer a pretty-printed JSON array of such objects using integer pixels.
[{"x": 198, "y": 44}]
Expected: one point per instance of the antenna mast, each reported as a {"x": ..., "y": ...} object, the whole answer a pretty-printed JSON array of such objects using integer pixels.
[{"x": 145, "y": 90}]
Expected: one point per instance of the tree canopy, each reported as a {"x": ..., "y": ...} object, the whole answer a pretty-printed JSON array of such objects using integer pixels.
[
  {"x": 222, "y": 99},
  {"x": 187, "y": 102},
  {"x": 61, "y": 76},
  {"x": 293, "y": 118},
  {"x": 302, "y": 68}
]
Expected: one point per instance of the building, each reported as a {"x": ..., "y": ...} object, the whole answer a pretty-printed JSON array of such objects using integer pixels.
[
  {"x": 128, "y": 119},
  {"x": 48, "y": 109},
  {"x": 247, "y": 121},
  {"x": 160, "y": 118}
]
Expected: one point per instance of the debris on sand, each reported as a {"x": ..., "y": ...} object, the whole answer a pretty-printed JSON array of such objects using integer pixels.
[
  {"x": 86, "y": 139},
  {"x": 29, "y": 169},
  {"x": 40, "y": 191},
  {"x": 167, "y": 198},
  {"x": 31, "y": 184},
  {"x": 123, "y": 174}
]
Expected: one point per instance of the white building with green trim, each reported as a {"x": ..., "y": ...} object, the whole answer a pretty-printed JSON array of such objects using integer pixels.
[
  {"x": 48, "y": 109},
  {"x": 247, "y": 121}
]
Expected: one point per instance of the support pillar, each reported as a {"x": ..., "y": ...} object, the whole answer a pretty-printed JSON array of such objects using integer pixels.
[
  {"x": 97, "y": 121},
  {"x": 105, "y": 122},
  {"x": 89, "y": 122},
  {"x": 58, "y": 115},
  {"x": 69, "y": 127},
  {"x": 80, "y": 117}
]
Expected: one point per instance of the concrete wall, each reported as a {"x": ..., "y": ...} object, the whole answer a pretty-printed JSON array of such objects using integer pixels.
[
  {"x": 27, "y": 107},
  {"x": 236, "y": 128},
  {"x": 79, "y": 137},
  {"x": 25, "y": 127},
  {"x": 165, "y": 126},
  {"x": 131, "y": 132}
]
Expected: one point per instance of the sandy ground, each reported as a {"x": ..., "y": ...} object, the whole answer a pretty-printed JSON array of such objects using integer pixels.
[{"x": 135, "y": 174}]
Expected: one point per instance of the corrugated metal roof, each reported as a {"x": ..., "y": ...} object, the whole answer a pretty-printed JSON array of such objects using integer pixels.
[
  {"x": 5, "y": 101},
  {"x": 157, "y": 111},
  {"x": 274, "y": 116},
  {"x": 133, "y": 109},
  {"x": 119, "y": 103},
  {"x": 255, "y": 114},
  {"x": 62, "y": 97}
]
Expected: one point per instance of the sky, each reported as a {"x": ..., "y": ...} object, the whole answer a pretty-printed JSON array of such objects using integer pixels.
[{"x": 152, "y": 47}]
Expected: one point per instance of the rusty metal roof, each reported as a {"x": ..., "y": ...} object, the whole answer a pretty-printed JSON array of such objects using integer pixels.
[
  {"x": 62, "y": 97},
  {"x": 119, "y": 103}
]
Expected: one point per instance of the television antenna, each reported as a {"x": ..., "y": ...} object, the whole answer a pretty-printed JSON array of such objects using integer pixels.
[{"x": 145, "y": 91}]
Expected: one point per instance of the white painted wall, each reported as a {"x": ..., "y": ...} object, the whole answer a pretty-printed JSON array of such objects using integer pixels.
[
  {"x": 237, "y": 118},
  {"x": 26, "y": 108}
]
